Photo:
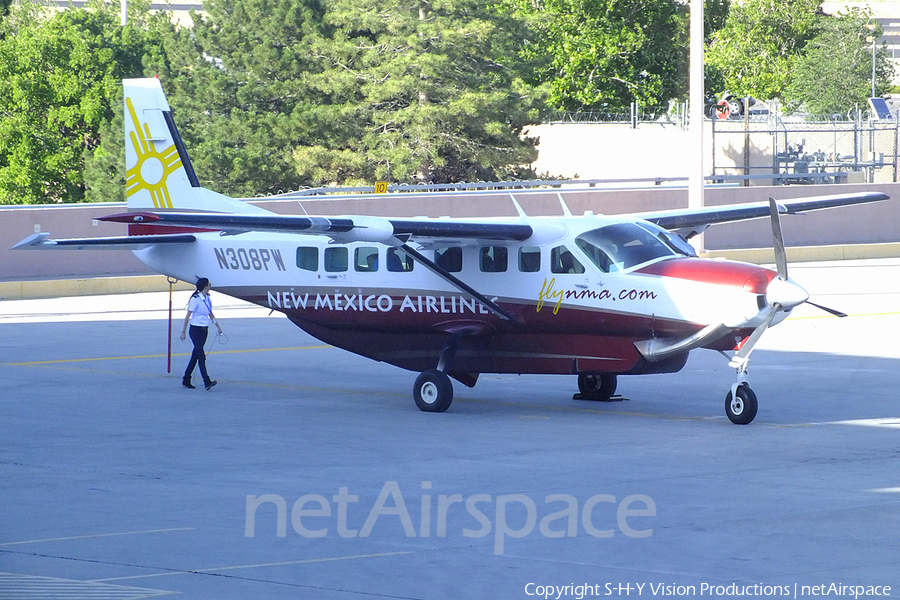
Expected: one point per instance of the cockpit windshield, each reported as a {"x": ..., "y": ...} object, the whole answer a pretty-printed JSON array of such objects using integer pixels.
[{"x": 622, "y": 246}]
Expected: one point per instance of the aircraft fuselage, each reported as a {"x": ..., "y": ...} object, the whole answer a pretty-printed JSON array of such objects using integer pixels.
[{"x": 568, "y": 317}]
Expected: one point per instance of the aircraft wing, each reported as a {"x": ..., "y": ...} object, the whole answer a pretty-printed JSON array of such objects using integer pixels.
[
  {"x": 699, "y": 219},
  {"x": 356, "y": 228},
  {"x": 128, "y": 242}
]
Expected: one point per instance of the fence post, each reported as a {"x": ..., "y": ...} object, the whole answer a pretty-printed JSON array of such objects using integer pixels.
[{"x": 896, "y": 128}]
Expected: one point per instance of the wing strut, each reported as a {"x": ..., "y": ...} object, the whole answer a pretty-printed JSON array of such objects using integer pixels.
[{"x": 443, "y": 273}]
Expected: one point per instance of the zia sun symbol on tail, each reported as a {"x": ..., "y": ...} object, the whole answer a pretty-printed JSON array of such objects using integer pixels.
[{"x": 153, "y": 167}]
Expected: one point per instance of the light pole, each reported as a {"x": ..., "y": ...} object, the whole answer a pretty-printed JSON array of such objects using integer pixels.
[{"x": 873, "y": 66}]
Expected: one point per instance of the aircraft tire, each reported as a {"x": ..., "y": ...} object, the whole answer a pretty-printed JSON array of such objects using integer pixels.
[
  {"x": 741, "y": 410},
  {"x": 597, "y": 386},
  {"x": 433, "y": 391}
]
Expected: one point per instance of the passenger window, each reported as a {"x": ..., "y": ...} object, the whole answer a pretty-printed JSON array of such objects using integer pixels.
[
  {"x": 308, "y": 258},
  {"x": 399, "y": 261},
  {"x": 336, "y": 260},
  {"x": 366, "y": 259},
  {"x": 563, "y": 261},
  {"x": 493, "y": 259},
  {"x": 530, "y": 259},
  {"x": 449, "y": 259}
]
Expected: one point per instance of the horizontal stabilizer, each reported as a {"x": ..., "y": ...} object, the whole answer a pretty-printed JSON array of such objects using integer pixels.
[{"x": 39, "y": 241}]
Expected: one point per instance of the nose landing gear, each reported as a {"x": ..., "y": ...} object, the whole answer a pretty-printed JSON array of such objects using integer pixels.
[{"x": 740, "y": 403}]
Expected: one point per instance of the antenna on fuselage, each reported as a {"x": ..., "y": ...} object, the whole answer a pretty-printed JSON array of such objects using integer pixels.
[
  {"x": 566, "y": 211},
  {"x": 517, "y": 205}
]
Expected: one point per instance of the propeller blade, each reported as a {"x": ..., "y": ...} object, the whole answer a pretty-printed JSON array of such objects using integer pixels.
[
  {"x": 778, "y": 238},
  {"x": 740, "y": 357},
  {"x": 832, "y": 311}
]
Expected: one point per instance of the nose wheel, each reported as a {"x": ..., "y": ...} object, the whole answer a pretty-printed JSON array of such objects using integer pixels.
[{"x": 741, "y": 404}]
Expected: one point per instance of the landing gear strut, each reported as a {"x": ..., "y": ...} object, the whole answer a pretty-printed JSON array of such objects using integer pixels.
[{"x": 433, "y": 391}]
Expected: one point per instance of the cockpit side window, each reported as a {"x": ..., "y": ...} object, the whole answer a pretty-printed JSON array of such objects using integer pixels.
[
  {"x": 563, "y": 261},
  {"x": 622, "y": 246}
]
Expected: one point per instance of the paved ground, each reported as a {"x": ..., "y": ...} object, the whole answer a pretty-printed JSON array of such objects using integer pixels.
[{"x": 115, "y": 482}]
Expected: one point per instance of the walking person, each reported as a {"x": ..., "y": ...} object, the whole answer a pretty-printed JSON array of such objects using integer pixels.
[{"x": 199, "y": 315}]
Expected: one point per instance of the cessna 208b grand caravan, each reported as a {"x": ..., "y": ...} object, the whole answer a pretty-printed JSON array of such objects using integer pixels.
[{"x": 592, "y": 296}]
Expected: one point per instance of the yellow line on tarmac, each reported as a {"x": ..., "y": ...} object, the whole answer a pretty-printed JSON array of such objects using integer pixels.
[
  {"x": 77, "y": 360},
  {"x": 810, "y": 317}
]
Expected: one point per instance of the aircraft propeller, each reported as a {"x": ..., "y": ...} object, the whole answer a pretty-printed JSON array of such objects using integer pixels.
[{"x": 781, "y": 295}]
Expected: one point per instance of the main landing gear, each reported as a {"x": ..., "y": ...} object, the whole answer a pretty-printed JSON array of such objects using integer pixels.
[
  {"x": 596, "y": 386},
  {"x": 433, "y": 391}
]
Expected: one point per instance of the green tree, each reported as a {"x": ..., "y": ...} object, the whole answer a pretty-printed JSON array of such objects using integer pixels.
[
  {"x": 238, "y": 85},
  {"x": 760, "y": 44},
  {"x": 291, "y": 93},
  {"x": 605, "y": 54},
  {"x": 61, "y": 73},
  {"x": 835, "y": 72},
  {"x": 433, "y": 89}
]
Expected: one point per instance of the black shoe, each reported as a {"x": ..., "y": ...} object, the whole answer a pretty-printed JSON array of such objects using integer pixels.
[
  {"x": 187, "y": 383},
  {"x": 210, "y": 383}
]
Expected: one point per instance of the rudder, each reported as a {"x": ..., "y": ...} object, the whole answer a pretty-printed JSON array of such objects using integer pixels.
[{"x": 159, "y": 174}]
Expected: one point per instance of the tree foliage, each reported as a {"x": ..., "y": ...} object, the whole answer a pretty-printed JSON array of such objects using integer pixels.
[
  {"x": 605, "y": 54},
  {"x": 273, "y": 95},
  {"x": 760, "y": 44},
  {"x": 434, "y": 90},
  {"x": 834, "y": 74},
  {"x": 61, "y": 74}
]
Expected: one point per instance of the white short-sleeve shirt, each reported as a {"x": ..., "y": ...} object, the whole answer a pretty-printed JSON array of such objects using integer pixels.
[{"x": 200, "y": 308}]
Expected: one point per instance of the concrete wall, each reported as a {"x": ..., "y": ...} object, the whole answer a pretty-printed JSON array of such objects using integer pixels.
[{"x": 875, "y": 223}]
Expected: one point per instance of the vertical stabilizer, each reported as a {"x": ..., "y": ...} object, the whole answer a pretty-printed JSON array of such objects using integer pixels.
[{"x": 159, "y": 174}]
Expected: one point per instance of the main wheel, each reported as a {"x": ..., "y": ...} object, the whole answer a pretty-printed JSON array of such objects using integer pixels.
[
  {"x": 433, "y": 391},
  {"x": 741, "y": 409},
  {"x": 597, "y": 386}
]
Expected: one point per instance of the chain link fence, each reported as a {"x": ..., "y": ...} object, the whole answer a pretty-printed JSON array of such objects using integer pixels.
[{"x": 834, "y": 151}]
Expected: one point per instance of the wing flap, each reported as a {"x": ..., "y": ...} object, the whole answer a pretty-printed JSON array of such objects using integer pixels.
[{"x": 353, "y": 228}]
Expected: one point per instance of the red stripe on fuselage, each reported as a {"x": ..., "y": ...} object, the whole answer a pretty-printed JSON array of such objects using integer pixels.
[{"x": 751, "y": 278}]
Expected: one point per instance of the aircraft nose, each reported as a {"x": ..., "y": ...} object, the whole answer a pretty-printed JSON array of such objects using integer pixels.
[{"x": 785, "y": 293}]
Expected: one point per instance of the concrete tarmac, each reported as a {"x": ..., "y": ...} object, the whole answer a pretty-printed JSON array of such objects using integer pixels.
[{"x": 308, "y": 472}]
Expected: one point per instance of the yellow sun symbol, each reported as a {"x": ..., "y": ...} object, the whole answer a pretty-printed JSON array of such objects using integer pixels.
[{"x": 153, "y": 167}]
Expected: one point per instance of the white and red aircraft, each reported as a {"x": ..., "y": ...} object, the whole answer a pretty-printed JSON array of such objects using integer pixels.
[{"x": 592, "y": 296}]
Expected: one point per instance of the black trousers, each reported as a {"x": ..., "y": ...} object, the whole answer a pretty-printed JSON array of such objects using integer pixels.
[{"x": 198, "y": 357}]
